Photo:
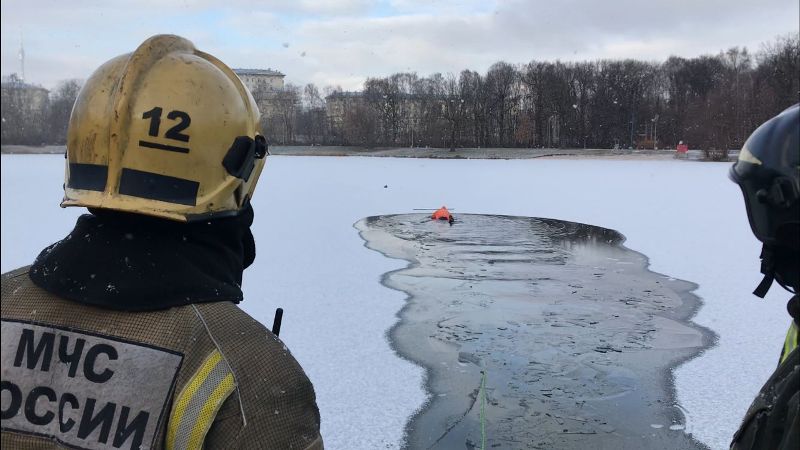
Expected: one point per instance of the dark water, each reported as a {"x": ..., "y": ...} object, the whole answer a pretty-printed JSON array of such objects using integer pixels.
[{"x": 575, "y": 337}]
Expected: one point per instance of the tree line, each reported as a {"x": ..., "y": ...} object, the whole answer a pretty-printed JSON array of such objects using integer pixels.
[
  {"x": 708, "y": 102},
  {"x": 33, "y": 116}
]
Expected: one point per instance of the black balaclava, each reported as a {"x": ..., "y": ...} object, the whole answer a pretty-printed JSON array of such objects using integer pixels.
[{"x": 131, "y": 262}]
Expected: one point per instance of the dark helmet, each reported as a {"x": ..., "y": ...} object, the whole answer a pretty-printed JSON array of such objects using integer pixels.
[{"x": 768, "y": 172}]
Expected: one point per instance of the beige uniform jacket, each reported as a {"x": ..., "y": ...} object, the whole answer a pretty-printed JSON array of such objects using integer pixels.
[{"x": 204, "y": 375}]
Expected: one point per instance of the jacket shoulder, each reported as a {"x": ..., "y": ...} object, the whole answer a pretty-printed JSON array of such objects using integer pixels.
[
  {"x": 773, "y": 420},
  {"x": 14, "y": 285},
  {"x": 11, "y": 275},
  {"x": 275, "y": 396},
  {"x": 254, "y": 353}
]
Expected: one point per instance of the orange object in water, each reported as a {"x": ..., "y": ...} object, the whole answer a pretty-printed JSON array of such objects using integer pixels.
[{"x": 442, "y": 214}]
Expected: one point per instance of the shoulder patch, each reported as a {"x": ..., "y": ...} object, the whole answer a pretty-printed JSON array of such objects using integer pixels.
[
  {"x": 84, "y": 390},
  {"x": 196, "y": 406}
]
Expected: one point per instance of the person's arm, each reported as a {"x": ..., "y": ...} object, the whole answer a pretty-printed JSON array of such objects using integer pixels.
[
  {"x": 273, "y": 404},
  {"x": 298, "y": 428}
]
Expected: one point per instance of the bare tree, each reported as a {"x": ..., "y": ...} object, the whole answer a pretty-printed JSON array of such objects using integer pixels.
[
  {"x": 710, "y": 101},
  {"x": 360, "y": 126},
  {"x": 61, "y": 101},
  {"x": 500, "y": 83},
  {"x": 24, "y": 112},
  {"x": 282, "y": 117},
  {"x": 778, "y": 75},
  {"x": 455, "y": 108},
  {"x": 474, "y": 94},
  {"x": 311, "y": 97}
]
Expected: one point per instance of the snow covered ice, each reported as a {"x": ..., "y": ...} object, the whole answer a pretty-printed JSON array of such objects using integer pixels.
[{"x": 687, "y": 217}]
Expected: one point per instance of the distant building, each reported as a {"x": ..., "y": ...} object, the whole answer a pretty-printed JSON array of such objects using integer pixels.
[
  {"x": 24, "y": 109},
  {"x": 264, "y": 84},
  {"x": 261, "y": 79}
]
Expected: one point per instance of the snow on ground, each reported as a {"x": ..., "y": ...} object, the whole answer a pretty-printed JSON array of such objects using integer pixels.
[{"x": 686, "y": 216}]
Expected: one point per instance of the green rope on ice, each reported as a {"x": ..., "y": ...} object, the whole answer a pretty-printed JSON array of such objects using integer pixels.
[{"x": 483, "y": 410}]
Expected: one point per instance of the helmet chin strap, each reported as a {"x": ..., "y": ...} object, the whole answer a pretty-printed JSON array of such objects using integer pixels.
[
  {"x": 778, "y": 264},
  {"x": 768, "y": 269}
]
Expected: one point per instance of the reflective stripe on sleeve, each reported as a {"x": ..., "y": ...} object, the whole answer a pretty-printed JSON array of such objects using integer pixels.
[
  {"x": 196, "y": 406},
  {"x": 791, "y": 342}
]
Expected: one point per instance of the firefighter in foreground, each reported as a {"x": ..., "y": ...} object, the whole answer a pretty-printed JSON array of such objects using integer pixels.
[
  {"x": 768, "y": 172},
  {"x": 126, "y": 333}
]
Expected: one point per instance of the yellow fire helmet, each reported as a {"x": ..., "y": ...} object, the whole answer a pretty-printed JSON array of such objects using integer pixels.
[{"x": 166, "y": 131}]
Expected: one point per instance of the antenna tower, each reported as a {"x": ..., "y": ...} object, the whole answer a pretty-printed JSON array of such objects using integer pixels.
[{"x": 21, "y": 58}]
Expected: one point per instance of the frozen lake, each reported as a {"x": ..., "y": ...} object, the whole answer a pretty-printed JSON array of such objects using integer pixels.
[{"x": 687, "y": 217}]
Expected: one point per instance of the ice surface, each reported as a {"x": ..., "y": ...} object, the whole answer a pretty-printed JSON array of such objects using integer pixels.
[{"x": 686, "y": 216}]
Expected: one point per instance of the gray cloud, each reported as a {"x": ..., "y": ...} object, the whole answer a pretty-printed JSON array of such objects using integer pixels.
[{"x": 334, "y": 42}]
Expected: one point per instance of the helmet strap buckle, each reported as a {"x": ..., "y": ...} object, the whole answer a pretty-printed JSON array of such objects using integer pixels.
[
  {"x": 240, "y": 159},
  {"x": 261, "y": 147},
  {"x": 781, "y": 194},
  {"x": 768, "y": 269}
]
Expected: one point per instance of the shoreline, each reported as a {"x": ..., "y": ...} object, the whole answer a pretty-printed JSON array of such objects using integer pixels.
[{"x": 438, "y": 153}]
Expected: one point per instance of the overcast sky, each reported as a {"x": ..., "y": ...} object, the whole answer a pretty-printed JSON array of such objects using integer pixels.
[{"x": 341, "y": 42}]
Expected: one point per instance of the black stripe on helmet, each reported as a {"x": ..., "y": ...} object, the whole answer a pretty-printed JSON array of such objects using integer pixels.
[
  {"x": 153, "y": 186},
  {"x": 90, "y": 177}
]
